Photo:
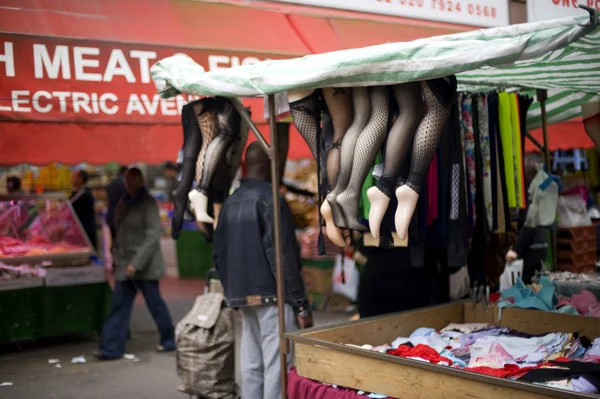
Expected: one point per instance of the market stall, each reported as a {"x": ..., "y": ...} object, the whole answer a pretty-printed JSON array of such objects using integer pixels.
[
  {"x": 531, "y": 47},
  {"x": 48, "y": 286}
]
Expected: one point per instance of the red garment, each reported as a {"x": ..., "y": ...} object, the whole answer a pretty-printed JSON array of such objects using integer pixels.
[
  {"x": 421, "y": 351},
  {"x": 509, "y": 370},
  {"x": 432, "y": 191},
  {"x": 494, "y": 297},
  {"x": 303, "y": 388}
]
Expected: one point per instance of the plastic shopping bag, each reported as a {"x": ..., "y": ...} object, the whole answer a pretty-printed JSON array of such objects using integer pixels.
[
  {"x": 345, "y": 277},
  {"x": 512, "y": 272}
]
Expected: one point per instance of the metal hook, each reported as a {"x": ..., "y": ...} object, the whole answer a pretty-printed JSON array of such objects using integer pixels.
[{"x": 593, "y": 15}]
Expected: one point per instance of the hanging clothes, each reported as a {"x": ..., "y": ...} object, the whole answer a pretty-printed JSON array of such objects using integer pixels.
[
  {"x": 515, "y": 119},
  {"x": 432, "y": 191},
  {"x": 507, "y": 147},
  {"x": 468, "y": 138},
  {"x": 486, "y": 158},
  {"x": 458, "y": 230},
  {"x": 502, "y": 211}
]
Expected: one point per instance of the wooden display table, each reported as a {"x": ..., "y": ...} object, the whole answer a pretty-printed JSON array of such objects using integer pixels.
[{"x": 320, "y": 354}]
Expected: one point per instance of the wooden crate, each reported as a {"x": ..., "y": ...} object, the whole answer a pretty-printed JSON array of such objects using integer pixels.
[{"x": 320, "y": 354}]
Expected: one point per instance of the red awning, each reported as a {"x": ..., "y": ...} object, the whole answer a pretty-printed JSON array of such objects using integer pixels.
[
  {"x": 80, "y": 88},
  {"x": 562, "y": 136}
]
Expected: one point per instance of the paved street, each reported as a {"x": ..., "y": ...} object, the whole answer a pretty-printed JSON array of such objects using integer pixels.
[{"x": 153, "y": 376}]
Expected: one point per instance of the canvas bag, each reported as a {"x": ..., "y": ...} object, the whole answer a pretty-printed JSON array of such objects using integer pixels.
[{"x": 205, "y": 340}]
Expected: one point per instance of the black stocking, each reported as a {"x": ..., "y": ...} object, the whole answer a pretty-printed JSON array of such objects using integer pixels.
[
  {"x": 207, "y": 121},
  {"x": 401, "y": 136},
  {"x": 228, "y": 126},
  {"x": 305, "y": 113},
  {"x": 362, "y": 110},
  {"x": 438, "y": 94},
  {"x": 228, "y": 129},
  {"x": 191, "y": 146},
  {"x": 367, "y": 146}
]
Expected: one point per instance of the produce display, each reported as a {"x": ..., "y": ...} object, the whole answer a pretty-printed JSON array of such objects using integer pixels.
[{"x": 39, "y": 226}]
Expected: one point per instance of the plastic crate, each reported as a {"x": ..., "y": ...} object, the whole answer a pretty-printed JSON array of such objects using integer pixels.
[
  {"x": 581, "y": 233},
  {"x": 578, "y": 247},
  {"x": 194, "y": 255}
]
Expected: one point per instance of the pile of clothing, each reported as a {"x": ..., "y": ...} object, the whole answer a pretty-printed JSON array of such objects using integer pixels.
[
  {"x": 558, "y": 360},
  {"x": 543, "y": 296}
]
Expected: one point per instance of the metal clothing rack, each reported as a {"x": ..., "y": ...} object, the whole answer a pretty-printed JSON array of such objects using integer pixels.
[{"x": 271, "y": 150}]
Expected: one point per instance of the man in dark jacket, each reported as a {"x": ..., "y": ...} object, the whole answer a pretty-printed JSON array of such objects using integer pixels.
[
  {"x": 82, "y": 201},
  {"x": 115, "y": 191},
  {"x": 244, "y": 256}
]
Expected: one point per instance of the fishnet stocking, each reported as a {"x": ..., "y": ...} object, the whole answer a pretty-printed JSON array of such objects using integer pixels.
[
  {"x": 362, "y": 110},
  {"x": 367, "y": 146},
  {"x": 305, "y": 113},
  {"x": 427, "y": 137},
  {"x": 207, "y": 122},
  {"x": 228, "y": 127}
]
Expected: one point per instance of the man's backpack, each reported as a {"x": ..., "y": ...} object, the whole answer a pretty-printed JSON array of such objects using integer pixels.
[{"x": 206, "y": 349}]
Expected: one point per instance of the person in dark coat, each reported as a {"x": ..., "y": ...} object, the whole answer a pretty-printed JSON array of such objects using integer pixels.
[
  {"x": 82, "y": 201},
  {"x": 139, "y": 265},
  {"x": 115, "y": 191}
]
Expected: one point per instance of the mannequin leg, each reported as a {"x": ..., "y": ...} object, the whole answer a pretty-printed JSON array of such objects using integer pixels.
[
  {"x": 591, "y": 121},
  {"x": 229, "y": 123},
  {"x": 339, "y": 104},
  {"x": 438, "y": 95},
  {"x": 400, "y": 138},
  {"x": 206, "y": 117},
  {"x": 362, "y": 110},
  {"x": 193, "y": 141},
  {"x": 304, "y": 107},
  {"x": 367, "y": 146}
]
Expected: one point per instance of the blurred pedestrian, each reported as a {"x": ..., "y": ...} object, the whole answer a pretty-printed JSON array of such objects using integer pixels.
[
  {"x": 171, "y": 173},
  {"x": 115, "y": 191},
  {"x": 139, "y": 265},
  {"x": 13, "y": 185},
  {"x": 82, "y": 201}
]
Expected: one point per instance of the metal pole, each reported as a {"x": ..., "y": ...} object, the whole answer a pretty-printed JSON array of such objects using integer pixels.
[
  {"x": 534, "y": 141},
  {"x": 273, "y": 153},
  {"x": 542, "y": 96},
  {"x": 242, "y": 111}
]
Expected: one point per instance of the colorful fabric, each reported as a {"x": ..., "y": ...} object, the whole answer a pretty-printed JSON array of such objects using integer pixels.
[
  {"x": 486, "y": 158},
  {"x": 515, "y": 119},
  {"x": 468, "y": 138},
  {"x": 506, "y": 136},
  {"x": 420, "y": 352}
]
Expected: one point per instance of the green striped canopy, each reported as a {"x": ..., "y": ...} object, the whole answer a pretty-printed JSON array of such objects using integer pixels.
[{"x": 560, "y": 55}]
